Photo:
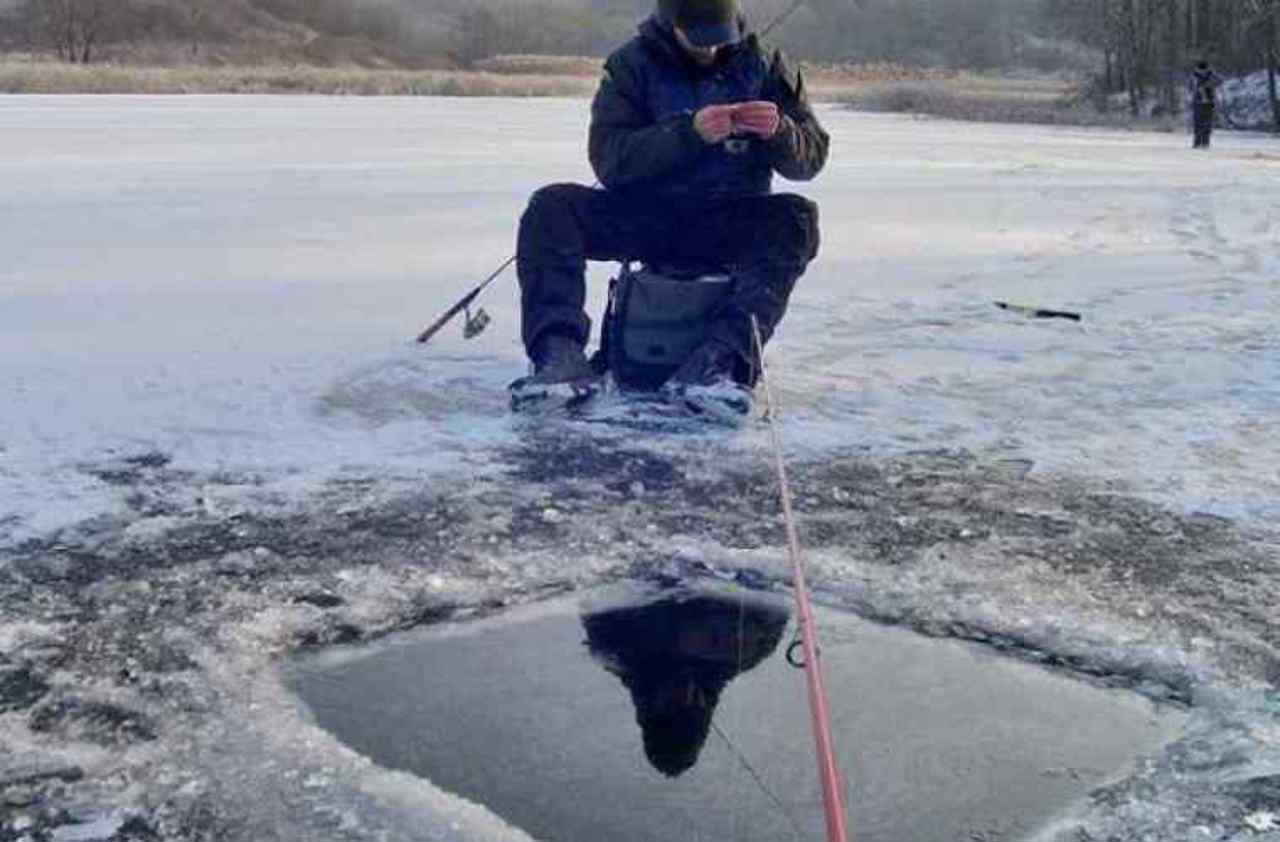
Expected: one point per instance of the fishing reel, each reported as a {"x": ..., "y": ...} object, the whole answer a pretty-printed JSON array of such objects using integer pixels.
[{"x": 475, "y": 323}]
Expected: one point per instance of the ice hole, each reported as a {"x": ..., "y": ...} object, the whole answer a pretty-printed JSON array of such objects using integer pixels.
[{"x": 649, "y": 711}]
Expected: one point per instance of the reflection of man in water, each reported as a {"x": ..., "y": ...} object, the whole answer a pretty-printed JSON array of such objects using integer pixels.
[{"x": 675, "y": 652}]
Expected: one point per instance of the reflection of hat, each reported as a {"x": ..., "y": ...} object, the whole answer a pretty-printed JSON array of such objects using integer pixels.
[
  {"x": 674, "y": 714},
  {"x": 706, "y": 23}
]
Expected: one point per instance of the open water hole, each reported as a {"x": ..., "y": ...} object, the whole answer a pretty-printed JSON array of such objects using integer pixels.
[{"x": 668, "y": 711}]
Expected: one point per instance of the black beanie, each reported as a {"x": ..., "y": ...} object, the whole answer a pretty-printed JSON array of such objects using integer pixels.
[{"x": 706, "y": 23}]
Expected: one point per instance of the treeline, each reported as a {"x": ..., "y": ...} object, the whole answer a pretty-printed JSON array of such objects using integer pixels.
[
  {"x": 466, "y": 30},
  {"x": 86, "y": 31},
  {"x": 956, "y": 34},
  {"x": 1139, "y": 47},
  {"x": 1145, "y": 47},
  {"x": 463, "y": 31},
  {"x": 979, "y": 34}
]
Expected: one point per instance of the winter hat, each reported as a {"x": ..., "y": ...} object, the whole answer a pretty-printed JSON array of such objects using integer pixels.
[{"x": 706, "y": 23}]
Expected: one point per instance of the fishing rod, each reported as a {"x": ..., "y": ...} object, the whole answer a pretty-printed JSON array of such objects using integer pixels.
[
  {"x": 1039, "y": 312},
  {"x": 476, "y": 323},
  {"x": 828, "y": 769},
  {"x": 791, "y": 10},
  {"x": 782, "y": 17}
]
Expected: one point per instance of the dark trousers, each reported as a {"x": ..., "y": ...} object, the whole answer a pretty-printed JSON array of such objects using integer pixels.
[
  {"x": 765, "y": 241},
  {"x": 1202, "y": 118}
]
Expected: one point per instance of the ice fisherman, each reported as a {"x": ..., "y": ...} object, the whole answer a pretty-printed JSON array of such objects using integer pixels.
[
  {"x": 691, "y": 119},
  {"x": 1204, "y": 84}
]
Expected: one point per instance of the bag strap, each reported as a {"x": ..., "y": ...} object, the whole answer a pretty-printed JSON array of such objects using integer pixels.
[{"x": 600, "y": 359}]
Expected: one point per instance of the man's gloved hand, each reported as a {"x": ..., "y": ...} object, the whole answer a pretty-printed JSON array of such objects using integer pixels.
[
  {"x": 758, "y": 117},
  {"x": 714, "y": 123}
]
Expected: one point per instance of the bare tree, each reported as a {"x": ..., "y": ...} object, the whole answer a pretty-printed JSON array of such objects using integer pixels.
[
  {"x": 1263, "y": 16},
  {"x": 1146, "y": 46},
  {"x": 71, "y": 28},
  {"x": 195, "y": 16},
  {"x": 79, "y": 24},
  {"x": 482, "y": 36},
  {"x": 1273, "y": 63}
]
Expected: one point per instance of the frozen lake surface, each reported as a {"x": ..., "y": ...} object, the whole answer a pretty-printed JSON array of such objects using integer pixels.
[
  {"x": 218, "y": 444},
  {"x": 237, "y": 285}
]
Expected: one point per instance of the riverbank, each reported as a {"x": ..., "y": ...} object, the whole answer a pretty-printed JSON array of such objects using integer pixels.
[{"x": 498, "y": 76}]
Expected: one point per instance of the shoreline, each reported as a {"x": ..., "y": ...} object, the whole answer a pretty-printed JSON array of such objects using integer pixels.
[{"x": 965, "y": 97}]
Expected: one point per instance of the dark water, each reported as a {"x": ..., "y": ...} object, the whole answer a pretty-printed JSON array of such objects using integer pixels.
[{"x": 642, "y": 713}]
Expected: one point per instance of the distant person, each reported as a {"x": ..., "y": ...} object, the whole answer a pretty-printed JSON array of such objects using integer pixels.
[
  {"x": 1204, "y": 86},
  {"x": 692, "y": 118},
  {"x": 675, "y": 651}
]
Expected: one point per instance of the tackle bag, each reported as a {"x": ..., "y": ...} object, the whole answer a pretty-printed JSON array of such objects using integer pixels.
[{"x": 655, "y": 319}]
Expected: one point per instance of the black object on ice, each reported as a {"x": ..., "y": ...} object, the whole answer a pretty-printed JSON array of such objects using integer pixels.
[{"x": 1038, "y": 312}]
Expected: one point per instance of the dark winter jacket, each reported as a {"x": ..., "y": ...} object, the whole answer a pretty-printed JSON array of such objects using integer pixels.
[
  {"x": 642, "y": 136},
  {"x": 1204, "y": 87}
]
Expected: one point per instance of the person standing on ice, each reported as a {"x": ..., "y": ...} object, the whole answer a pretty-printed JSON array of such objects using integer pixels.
[
  {"x": 1204, "y": 102},
  {"x": 692, "y": 118}
]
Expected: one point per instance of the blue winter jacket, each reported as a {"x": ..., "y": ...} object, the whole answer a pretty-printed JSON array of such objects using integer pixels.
[{"x": 642, "y": 138}]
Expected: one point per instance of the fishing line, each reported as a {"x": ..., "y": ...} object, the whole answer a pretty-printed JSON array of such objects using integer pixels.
[
  {"x": 755, "y": 775},
  {"x": 742, "y": 758},
  {"x": 742, "y": 659}
]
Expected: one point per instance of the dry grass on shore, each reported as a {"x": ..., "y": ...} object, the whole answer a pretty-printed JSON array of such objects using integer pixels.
[
  {"x": 870, "y": 87},
  {"x": 26, "y": 77},
  {"x": 991, "y": 100},
  {"x": 520, "y": 65},
  {"x": 508, "y": 75}
]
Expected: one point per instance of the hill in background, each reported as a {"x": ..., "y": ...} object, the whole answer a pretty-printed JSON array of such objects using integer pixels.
[
  {"x": 402, "y": 34},
  {"x": 418, "y": 34}
]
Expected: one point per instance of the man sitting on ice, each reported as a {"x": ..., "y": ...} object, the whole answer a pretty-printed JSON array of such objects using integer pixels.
[{"x": 691, "y": 120}]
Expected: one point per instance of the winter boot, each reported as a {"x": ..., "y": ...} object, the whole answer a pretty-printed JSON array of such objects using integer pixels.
[
  {"x": 705, "y": 383},
  {"x": 558, "y": 358},
  {"x": 561, "y": 373}
]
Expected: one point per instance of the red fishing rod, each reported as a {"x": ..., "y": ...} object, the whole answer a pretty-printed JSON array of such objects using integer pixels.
[{"x": 828, "y": 769}]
